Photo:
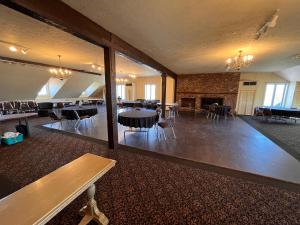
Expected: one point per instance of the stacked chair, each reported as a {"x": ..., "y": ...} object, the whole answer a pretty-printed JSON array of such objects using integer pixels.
[{"x": 14, "y": 107}]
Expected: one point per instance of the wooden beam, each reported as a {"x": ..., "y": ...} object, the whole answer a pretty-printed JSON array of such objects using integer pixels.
[
  {"x": 20, "y": 61},
  {"x": 137, "y": 55},
  {"x": 163, "y": 92},
  {"x": 111, "y": 99},
  {"x": 61, "y": 15}
]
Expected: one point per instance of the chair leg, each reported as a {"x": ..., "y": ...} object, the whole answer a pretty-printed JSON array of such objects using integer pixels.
[
  {"x": 173, "y": 132},
  {"x": 164, "y": 133}
]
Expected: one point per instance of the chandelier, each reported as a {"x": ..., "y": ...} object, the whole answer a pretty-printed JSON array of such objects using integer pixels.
[
  {"x": 121, "y": 80},
  {"x": 60, "y": 73},
  {"x": 239, "y": 61}
]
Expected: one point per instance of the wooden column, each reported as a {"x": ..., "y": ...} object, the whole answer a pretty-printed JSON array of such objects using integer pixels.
[
  {"x": 163, "y": 92},
  {"x": 111, "y": 102},
  {"x": 175, "y": 88}
]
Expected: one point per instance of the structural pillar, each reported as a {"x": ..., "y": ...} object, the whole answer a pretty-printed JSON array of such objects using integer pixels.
[
  {"x": 111, "y": 100},
  {"x": 163, "y": 92}
]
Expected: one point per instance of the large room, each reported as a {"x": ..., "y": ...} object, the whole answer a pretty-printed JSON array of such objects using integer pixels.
[{"x": 149, "y": 112}]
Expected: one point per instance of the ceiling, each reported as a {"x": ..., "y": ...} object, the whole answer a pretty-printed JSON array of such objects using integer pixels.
[
  {"x": 46, "y": 42},
  {"x": 193, "y": 36}
]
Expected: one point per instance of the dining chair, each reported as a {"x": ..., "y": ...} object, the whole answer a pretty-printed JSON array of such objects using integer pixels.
[
  {"x": 164, "y": 124},
  {"x": 54, "y": 117},
  {"x": 212, "y": 111}
]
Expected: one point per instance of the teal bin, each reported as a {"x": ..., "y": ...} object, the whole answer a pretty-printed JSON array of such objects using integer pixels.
[{"x": 12, "y": 140}]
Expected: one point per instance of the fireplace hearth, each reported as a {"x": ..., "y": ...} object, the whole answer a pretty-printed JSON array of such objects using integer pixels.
[
  {"x": 188, "y": 102},
  {"x": 206, "y": 102}
]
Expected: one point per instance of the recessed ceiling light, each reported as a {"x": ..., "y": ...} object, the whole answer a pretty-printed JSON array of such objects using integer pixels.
[
  {"x": 24, "y": 51},
  {"x": 13, "y": 48}
]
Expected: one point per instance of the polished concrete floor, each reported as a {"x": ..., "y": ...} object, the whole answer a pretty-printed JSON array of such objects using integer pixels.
[{"x": 231, "y": 144}]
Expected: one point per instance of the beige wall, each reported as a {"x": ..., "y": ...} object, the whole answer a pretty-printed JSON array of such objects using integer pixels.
[
  {"x": 261, "y": 79},
  {"x": 296, "y": 101},
  {"x": 170, "y": 90},
  {"x": 140, "y": 86}
]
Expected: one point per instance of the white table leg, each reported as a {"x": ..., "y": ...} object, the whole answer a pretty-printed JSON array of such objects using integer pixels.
[{"x": 91, "y": 211}]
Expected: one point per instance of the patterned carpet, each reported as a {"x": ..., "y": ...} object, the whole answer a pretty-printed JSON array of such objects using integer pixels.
[
  {"x": 146, "y": 189},
  {"x": 286, "y": 135}
]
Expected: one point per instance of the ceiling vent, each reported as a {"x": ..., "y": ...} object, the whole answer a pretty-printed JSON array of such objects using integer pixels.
[{"x": 249, "y": 83}]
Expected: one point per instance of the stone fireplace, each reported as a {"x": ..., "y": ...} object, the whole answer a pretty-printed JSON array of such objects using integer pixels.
[
  {"x": 188, "y": 102},
  {"x": 206, "y": 88},
  {"x": 205, "y": 102}
]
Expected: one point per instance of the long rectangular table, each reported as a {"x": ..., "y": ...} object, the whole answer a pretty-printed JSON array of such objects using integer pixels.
[
  {"x": 283, "y": 112},
  {"x": 41, "y": 200},
  {"x": 19, "y": 117}
]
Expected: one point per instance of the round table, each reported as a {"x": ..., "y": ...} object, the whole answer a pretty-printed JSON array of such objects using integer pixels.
[{"x": 138, "y": 118}]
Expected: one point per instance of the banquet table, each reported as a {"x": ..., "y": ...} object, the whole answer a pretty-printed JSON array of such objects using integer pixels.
[{"x": 138, "y": 118}]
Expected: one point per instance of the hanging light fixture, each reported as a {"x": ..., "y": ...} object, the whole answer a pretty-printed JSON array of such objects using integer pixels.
[
  {"x": 239, "y": 61},
  {"x": 132, "y": 76},
  {"x": 60, "y": 73},
  {"x": 96, "y": 66}
]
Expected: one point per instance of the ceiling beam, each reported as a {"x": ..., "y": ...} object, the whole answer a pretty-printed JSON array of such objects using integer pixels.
[
  {"x": 25, "y": 62},
  {"x": 61, "y": 15}
]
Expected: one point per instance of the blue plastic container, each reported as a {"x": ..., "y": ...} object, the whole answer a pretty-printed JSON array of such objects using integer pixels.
[{"x": 12, "y": 140}]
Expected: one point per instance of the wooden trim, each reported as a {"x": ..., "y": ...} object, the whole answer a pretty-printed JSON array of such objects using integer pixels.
[
  {"x": 62, "y": 16},
  {"x": 163, "y": 92},
  {"x": 207, "y": 93},
  {"x": 20, "y": 61},
  {"x": 111, "y": 99}
]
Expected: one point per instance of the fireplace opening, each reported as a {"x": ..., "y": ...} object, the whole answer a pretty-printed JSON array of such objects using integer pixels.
[
  {"x": 188, "y": 102},
  {"x": 206, "y": 102}
]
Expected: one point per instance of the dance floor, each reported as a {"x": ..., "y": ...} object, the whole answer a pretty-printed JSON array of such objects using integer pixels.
[{"x": 230, "y": 144}]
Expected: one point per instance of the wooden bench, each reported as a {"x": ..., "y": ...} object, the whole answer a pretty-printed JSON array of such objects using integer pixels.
[{"x": 41, "y": 200}]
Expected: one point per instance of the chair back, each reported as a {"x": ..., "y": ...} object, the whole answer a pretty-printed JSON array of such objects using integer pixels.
[
  {"x": 24, "y": 106},
  {"x": 267, "y": 112},
  {"x": 53, "y": 116},
  {"x": 17, "y": 105},
  {"x": 59, "y": 105},
  {"x": 7, "y": 106}
]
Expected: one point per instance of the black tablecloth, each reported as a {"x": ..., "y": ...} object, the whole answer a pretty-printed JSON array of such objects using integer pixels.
[
  {"x": 284, "y": 112},
  {"x": 132, "y": 104},
  {"x": 138, "y": 118},
  {"x": 68, "y": 112}
]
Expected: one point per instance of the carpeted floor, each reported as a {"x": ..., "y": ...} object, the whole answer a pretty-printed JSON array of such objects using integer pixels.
[
  {"x": 147, "y": 189},
  {"x": 286, "y": 135}
]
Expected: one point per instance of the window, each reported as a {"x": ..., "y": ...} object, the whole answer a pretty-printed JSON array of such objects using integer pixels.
[
  {"x": 275, "y": 94},
  {"x": 90, "y": 90},
  {"x": 121, "y": 91},
  {"x": 150, "y": 91},
  {"x": 44, "y": 91}
]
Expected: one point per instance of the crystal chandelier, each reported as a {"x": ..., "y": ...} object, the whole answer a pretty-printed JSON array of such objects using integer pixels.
[
  {"x": 60, "y": 73},
  {"x": 239, "y": 61}
]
